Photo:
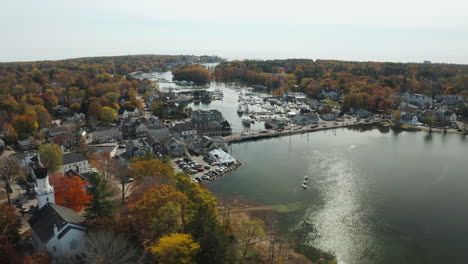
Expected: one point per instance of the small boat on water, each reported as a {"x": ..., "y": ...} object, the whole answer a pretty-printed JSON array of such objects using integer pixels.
[
  {"x": 240, "y": 109},
  {"x": 306, "y": 177},
  {"x": 246, "y": 121},
  {"x": 304, "y": 186}
]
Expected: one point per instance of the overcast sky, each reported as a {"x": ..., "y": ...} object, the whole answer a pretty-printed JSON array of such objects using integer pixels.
[{"x": 362, "y": 30}]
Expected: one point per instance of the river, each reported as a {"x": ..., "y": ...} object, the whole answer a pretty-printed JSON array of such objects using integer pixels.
[{"x": 373, "y": 196}]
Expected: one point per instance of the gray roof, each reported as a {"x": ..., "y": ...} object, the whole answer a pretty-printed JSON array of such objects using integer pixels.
[
  {"x": 73, "y": 157},
  {"x": 42, "y": 223}
]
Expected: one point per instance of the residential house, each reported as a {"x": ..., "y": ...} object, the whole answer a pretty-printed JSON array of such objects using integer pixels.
[
  {"x": 173, "y": 147},
  {"x": 186, "y": 131},
  {"x": 74, "y": 161},
  {"x": 26, "y": 144},
  {"x": 55, "y": 132},
  {"x": 137, "y": 147},
  {"x": 329, "y": 116},
  {"x": 417, "y": 99},
  {"x": 410, "y": 119},
  {"x": 129, "y": 112},
  {"x": 108, "y": 134},
  {"x": 359, "y": 112},
  {"x": 305, "y": 120}
]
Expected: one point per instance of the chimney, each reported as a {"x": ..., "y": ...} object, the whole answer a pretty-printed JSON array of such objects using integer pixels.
[{"x": 55, "y": 230}]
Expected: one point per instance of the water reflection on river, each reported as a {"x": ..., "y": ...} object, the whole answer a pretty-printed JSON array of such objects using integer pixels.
[{"x": 374, "y": 197}]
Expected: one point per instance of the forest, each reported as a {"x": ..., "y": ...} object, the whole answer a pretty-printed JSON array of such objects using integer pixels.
[
  {"x": 375, "y": 85},
  {"x": 31, "y": 91}
]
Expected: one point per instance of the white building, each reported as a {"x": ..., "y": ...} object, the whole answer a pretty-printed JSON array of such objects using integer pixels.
[
  {"x": 106, "y": 135},
  {"x": 55, "y": 229},
  {"x": 74, "y": 161}
]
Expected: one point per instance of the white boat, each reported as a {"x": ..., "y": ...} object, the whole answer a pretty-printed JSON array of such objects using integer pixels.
[
  {"x": 246, "y": 121},
  {"x": 240, "y": 109},
  {"x": 304, "y": 186}
]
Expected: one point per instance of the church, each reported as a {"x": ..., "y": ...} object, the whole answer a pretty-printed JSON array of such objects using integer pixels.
[{"x": 55, "y": 229}]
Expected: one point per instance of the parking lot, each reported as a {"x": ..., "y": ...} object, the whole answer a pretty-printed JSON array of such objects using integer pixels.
[{"x": 203, "y": 168}]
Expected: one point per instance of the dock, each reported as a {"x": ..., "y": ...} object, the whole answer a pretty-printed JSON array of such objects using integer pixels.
[{"x": 237, "y": 137}]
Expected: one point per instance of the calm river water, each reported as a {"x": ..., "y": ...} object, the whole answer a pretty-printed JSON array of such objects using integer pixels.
[{"x": 373, "y": 197}]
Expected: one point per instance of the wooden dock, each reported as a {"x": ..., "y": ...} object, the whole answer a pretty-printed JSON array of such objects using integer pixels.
[{"x": 240, "y": 137}]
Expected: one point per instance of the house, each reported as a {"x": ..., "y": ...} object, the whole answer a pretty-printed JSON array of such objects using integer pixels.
[
  {"x": 59, "y": 131},
  {"x": 278, "y": 122},
  {"x": 417, "y": 99},
  {"x": 186, "y": 131},
  {"x": 55, "y": 229},
  {"x": 74, "y": 161},
  {"x": 137, "y": 147},
  {"x": 76, "y": 118},
  {"x": 210, "y": 123},
  {"x": 173, "y": 147},
  {"x": 26, "y": 144},
  {"x": 329, "y": 116},
  {"x": 410, "y": 119},
  {"x": 129, "y": 112},
  {"x": 160, "y": 132},
  {"x": 305, "y": 120},
  {"x": 202, "y": 116},
  {"x": 112, "y": 134},
  {"x": 203, "y": 144},
  {"x": 359, "y": 112}
]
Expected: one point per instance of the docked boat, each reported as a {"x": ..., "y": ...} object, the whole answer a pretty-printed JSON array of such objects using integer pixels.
[
  {"x": 246, "y": 121},
  {"x": 240, "y": 109}
]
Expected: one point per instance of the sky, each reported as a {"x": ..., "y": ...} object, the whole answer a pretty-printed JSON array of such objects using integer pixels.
[{"x": 357, "y": 30}]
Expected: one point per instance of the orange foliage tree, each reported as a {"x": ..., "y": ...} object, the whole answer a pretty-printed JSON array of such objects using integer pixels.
[
  {"x": 159, "y": 210},
  {"x": 70, "y": 192}
]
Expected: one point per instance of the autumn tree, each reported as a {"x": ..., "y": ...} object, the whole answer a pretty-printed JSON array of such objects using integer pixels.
[
  {"x": 42, "y": 116},
  {"x": 175, "y": 248},
  {"x": 108, "y": 115},
  {"x": 249, "y": 230},
  {"x": 10, "y": 133},
  {"x": 9, "y": 172},
  {"x": 152, "y": 168},
  {"x": 103, "y": 163},
  {"x": 121, "y": 172},
  {"x": 44, "y": 258},
  {"x": 203, "y": 225},
  {"x": 70, "y": 192},
  {"x": 9, "y": 225},
  {"x": 94, "y": 110},
  {"x": 25, "y": 125},
  {"x": 159, "y": 211},
  {"x": 101, "y": 204},
  {"x": 51, "y": 156},
  {"x": 107, "y": 247}
]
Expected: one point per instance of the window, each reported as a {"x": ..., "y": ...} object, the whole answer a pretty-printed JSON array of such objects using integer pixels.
[
  {"x": 54, "y": 248},
  {"x": 73, "y": 244}
]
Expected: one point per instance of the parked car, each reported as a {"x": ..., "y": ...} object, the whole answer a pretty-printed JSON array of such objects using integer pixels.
[{"x": 207, "y": 167}]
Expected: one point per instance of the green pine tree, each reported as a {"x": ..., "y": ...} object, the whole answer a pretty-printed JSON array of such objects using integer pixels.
[{"x": 101, "y": 205}]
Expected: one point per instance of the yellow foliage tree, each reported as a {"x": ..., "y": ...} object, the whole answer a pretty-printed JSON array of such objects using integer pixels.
[
  {"x": 176, "y": 248},
  {"x": 151, "y": 168}
]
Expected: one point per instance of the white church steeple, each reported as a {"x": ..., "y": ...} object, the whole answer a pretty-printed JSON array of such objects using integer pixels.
[{"x": 45, "y": 192}]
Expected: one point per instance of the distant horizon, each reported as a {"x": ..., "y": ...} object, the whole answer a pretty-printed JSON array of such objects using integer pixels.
[
  {"x": 399, "y": 31},
  {"x": 233, "y": 59}
]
